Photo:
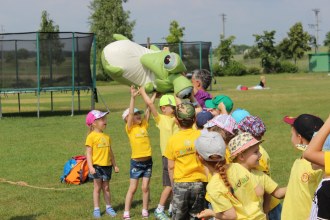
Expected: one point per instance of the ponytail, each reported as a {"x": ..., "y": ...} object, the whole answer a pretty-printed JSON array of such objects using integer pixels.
[{"x": 222, "y": 170}]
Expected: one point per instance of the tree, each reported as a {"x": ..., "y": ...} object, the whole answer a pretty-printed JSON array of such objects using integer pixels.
[
  {"x": 268, "y": 52},
  {"x": 327, "y": 41},
  {"x": 108, "y": 18},
  {"x": 50, "y": 45},
  {"x": 176, "y": 33},
  {"x": 225, "y": 50},
  {"x": 296, "y": 44}
]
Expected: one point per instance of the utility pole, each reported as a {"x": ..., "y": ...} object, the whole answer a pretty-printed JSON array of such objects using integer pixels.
[
  {"x": 316, "y": 27},
  {"x": 223, "y": 15},
  {"x": 316, "y": 11}
]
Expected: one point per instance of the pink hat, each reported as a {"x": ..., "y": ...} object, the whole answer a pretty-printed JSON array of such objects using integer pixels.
[
  {"x": 93, "y": 115},
  {"x": 240, "y": 143},
  {"x": 225, "y": 122}
]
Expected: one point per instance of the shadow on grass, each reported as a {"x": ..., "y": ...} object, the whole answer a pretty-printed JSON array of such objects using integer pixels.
[
  {"x": 53, "y": 113},
  {"x": 25, "y": 217},
  {"x": 44, "y": 113}
]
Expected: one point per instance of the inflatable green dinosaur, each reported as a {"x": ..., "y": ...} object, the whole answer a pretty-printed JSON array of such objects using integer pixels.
[{"x": 157, "y": 70}]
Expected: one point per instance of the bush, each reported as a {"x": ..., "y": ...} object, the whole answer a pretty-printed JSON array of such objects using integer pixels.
[
  {"x": 287, "y": 67},
  {"x": 234, "y": 68},
  {"x": 253, "y": 70},
  {"x": 217, "y": 70}
]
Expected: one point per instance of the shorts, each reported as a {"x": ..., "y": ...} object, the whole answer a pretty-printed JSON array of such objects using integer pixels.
[
  {"x": 140, "y": 169},
  {"x": 166, "y": 176},
  {"x": 102, "y": 172},
  {"x": 275, "y": 213},
  {"x": 188, "y": 199}
]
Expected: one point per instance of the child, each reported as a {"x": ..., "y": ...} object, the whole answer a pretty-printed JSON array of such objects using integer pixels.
[
  {"x": 304, "y": 176},
  {"x": 201, "y": 79},
  {"x": 233, "y": 191},
  {"x": 186, "y": 172},
  {"x": 220, "y": 104},
  {"x": 211, "y": 150},
  {"x": 141, "y": 161},
  {"x": 320, "y": 206},
  {"x": 167, "y": 127},
  {"x": 255, "y": 126},
  {"x": 100, "y": 159},
  {"x": 261, "y": 85}
]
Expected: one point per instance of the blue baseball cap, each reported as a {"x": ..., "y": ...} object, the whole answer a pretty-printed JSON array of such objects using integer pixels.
[
  {"x": 239, "y": 114},
  {"x": 202, "y": 118}
]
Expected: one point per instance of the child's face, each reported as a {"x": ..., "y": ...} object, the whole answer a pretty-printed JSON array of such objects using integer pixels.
[
  {"x": 251, "y": 157},
  {"x": 295, "y": 137},
  {"x": 100, "y": 124},
  {"x": 137, "y": 118},
  {"x": 167, "y": 110}
]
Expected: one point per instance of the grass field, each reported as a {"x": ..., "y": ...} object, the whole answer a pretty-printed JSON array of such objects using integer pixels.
[{"x": 33, "y": 150}]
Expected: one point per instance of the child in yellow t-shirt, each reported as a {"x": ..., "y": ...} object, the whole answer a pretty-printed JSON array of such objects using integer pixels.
[
  {"x": 185, "y": 170},
  {"x": 255, "y": 126},
  {"x": 141, "y": 161},
  {"x": 100, "y": 159},
  {"x": 232, "y": 189},
  {"x": 165, "y": 122},
  {"x": 304, "y": 176},
  {"x": 314, "y": 154}
]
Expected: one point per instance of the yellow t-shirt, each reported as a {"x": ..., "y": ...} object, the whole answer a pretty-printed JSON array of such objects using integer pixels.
[
  {"x": 181, "y": 149},
  {"x": 245, "y": 201},
  {"x": 101, "y": 145},
  {"x": 167, "y": 127},
  {"x": 264, "y": 166},
  {"x": 139, "y": 140},
  {"x": 264, "y": 162},
  {"x": 327, "y": 163},
  {"x": 302, "y": 184},
  {"x": 267, "y": 183}
]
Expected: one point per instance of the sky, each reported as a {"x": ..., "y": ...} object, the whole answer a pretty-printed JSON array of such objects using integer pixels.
[{"x": 201, "y": 18}]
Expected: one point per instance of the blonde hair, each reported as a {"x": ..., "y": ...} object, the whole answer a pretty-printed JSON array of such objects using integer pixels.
[
  {"x": 221, "y": 168},
  {"x": 90, "y": 129}
]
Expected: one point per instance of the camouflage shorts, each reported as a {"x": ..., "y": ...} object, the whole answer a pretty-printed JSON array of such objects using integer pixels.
[{"x": 188, "y": 200}]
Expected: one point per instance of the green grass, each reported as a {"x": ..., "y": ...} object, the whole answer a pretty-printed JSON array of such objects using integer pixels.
[{"x": 34, "y": 150}]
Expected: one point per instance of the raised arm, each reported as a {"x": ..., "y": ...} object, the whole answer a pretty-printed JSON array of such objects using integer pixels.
[
  {"x": 130, "y": 116},
  {"x": 314, "y": 152},
  {"x": 149, "y": 101}
]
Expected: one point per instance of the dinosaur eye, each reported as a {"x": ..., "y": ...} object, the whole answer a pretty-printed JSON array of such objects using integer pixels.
[{"x": 170, "y": 61}]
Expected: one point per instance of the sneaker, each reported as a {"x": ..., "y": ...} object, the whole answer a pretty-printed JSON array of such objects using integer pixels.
[
  {"x": 110, "y": 212},
  {"x": 161, "y": 215},
  {"x": 126, "y": 216},
  {"x": 145, "y": 214},
  {"x": 97, "y": 213}
]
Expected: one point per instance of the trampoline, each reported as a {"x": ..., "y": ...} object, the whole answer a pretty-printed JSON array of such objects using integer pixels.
[{"x": 36, "y": 62}]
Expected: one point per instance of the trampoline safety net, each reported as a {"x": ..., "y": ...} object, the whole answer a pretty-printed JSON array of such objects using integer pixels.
[{"x": 45, "y": 61}]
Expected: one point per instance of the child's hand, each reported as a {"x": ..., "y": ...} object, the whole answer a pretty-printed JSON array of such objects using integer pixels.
[
  {"x": 206, "y": 214},
  {"x": 142, "y": 90},
  {"x": 116, "y": 169},
  {"x": 222, "y": 108},
  {"x": 134, "y": 91},
  {"x": 92, "y": 171}
]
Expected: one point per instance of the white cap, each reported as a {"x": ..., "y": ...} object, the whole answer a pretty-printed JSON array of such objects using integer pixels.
[
  {"x": 125, "y": 113},
  {"x": 210, "y": 143}
]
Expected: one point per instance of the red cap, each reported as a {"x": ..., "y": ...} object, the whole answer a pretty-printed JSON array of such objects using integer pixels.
[{"x": 289, "y": 120}]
